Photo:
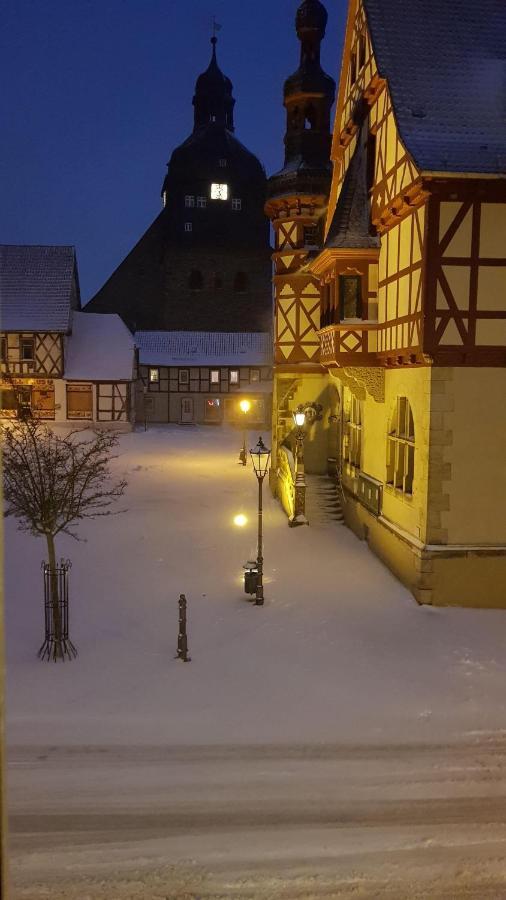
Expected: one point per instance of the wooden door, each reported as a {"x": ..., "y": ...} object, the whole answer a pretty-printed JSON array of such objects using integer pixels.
[{"x": 186, "y": 410}]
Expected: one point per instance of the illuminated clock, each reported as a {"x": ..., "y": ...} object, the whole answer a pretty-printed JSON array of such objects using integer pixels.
[{"x": 219, "y": 192}]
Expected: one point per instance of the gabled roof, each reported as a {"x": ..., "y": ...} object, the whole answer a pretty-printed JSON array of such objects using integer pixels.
[
  {"x": 38, "y": 288},
  {"x": 203, "y": 348},
  {"x": 100, "y": 348},
  {"x": 445, "y": 62}
]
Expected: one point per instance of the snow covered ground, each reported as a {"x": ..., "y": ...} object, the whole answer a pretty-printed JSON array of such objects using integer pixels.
[{"x": 339, "y": 741}]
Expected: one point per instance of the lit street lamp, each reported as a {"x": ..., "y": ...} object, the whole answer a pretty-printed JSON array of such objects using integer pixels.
[
  {"x": 299, "y": 511},
  {"x": 260, "y": 456},
  {"x": 245, "y": 407}
]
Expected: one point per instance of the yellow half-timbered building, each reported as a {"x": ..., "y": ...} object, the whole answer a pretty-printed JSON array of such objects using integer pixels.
[{"x": 410, "y": 361}]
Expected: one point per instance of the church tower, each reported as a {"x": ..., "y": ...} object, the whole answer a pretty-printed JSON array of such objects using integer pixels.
[
  {"x": 296, "y": 204},
  {"x": 204, "y": 264}
]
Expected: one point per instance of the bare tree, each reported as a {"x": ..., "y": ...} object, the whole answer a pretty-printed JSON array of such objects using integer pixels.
[{"x": 53, "y": 481}]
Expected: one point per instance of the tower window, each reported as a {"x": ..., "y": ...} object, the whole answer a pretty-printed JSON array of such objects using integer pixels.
[
  {"x": 223, "y": 163},
  {"x": 311, "y": 235},
  {"x": 361, "y": 51},
  {"x": 350, "y": 295},
  {"x": 189, "y": 200},
  {"x": 236, "y": 203},
  {"x": 164, "y": 195},
  {"x": 310, "y": 117},
  {"x": 202, "y": 202},
  {"x": 353, "y": 68},
  {"x": 241, "y": 283},
  {"x": 195, "y": 281},
  {"x": 212, "y": 118},
  {"x": 188, "y": 226},
  {"x": 401, "y": 448}
]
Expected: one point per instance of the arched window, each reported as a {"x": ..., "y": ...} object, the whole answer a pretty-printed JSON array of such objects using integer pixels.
[
  {"x": 241, "y": 283},
  {"x": 310, "y": 117},
  {"x": 401, "y": 448},
  {"x": 195, "y": 281},
  {"x": 352, "y": 435},
  {"x": 217, "y": 282}
]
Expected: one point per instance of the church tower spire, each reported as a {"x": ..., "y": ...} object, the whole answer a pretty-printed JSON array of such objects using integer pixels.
[{"x": 213, "y": 101}]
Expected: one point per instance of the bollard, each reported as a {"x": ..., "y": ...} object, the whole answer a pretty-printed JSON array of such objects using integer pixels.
[{"x": 182, "y": 638}]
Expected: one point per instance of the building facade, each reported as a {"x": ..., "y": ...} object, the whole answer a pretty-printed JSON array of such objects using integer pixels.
[
  {"x": 204, "y": 263},
  {"x": 57, "y": 363},
  {"x": 202, "y": 378},
  {"x": 412, "y": 280}
]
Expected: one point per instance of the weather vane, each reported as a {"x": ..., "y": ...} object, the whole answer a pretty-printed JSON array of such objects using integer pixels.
[{"x": 216, "y": 27}]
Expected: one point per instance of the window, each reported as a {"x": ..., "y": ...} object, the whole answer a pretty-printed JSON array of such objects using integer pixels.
[
  {"x": 164, "y": 195},
  {"x": 254, "y": 375},
  {"x": 215, "y": 376},
  {"x": 350, "y": 296},
  {"x": 401, "y": 448},
  {"x": 371, "y": 161},
  {"x": 352, "y": 436},
  {"x": 154, "y": 376},
  {"x": 236, "y": 203},
  {"x": 212, "y": 118},
  {"x": 217, "y": 282},
  {"x": 3, "y": 349},
  {"x": 189, "y": 200},
  {"x": 195, "y": 281},
  {"x": 201, "y": 202},
  {"x": 79, "y": 401},
  {"x": 241, "y": 283},
  {"x": 212, "y": 409},
  {"x": 27, "y": 349},
  {"x": 309, "y": 118},
  {"x": 219, "y": 191},
  {"x": 353, "y": 67},
  {"x": 311, "y": 235},
  {"x": 234, "y": 376},
  {"x": 184, "y": 376},
  {"x": 223, "y": 163},
  {"x": 188, "y": 226},
  {"x": 8, "y": 400}
]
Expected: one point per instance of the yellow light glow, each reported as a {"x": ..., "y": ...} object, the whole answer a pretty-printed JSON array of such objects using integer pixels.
[
  {"x": 245, "y": 406},
  {"x": 240, "y": 520}
]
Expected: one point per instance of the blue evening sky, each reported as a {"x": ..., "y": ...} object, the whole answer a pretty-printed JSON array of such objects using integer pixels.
[{"x": 96, "y": 94}]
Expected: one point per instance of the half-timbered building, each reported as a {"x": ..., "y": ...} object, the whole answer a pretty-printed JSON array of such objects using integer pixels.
[
  {"x": 192, "y": 377},
  {"x": 58, "y": 363},
  {"x": 411, "y": 274}
]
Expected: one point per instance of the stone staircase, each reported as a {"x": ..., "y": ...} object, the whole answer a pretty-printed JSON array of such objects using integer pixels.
[{"x": 323, "y": 501}]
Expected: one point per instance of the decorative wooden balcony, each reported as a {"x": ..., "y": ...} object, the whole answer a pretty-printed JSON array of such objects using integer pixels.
[{"x": 349, "y": 343}]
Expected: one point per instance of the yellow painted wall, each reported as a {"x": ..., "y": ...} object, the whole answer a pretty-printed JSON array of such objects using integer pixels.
[{"x": 473, "y": 421}]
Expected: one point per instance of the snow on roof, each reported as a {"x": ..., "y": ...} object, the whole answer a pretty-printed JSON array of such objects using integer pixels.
[
  {"x": 38, "y": 288},
  {"x": 197, "y": 348},
  {"x": 100, "y": 348}
]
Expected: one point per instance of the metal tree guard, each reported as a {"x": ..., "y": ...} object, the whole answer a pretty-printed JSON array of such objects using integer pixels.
[{"x": 57, "y": 644}]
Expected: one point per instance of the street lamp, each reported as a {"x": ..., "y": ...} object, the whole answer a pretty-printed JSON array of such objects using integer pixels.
[
  {"x": 299, "y": 511},
  {"x": 245, "y": 407},
  {"x": 260, "y": 456}
]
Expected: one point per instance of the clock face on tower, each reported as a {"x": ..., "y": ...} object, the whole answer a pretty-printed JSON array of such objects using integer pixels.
[{"x": 219, "y": 191}]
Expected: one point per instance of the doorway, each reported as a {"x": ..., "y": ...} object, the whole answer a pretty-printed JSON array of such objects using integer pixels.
[{"x": 187, "y": 411}]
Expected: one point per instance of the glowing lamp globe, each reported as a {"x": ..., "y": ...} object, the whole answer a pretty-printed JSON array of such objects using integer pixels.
[
  {"x": 299, "y": 418},
  {"x": 245, "y": 406},
  {"x": 260, "y": 456}
]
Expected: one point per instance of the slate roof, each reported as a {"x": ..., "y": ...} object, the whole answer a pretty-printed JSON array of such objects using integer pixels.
[
  {"x": 38, "y": 288},
  {"x": 100, "y": 348},
  {"x": 445, "y": 62},
  {"x": 351, "y": 224},
  {"x": 203, "y": 348}
]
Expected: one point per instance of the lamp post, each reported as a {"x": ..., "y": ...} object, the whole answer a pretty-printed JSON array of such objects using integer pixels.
[
  {"x": 245, "y": 407},
  {"x": 299, "y": 506},
  {"x": 260, "y": 456}
]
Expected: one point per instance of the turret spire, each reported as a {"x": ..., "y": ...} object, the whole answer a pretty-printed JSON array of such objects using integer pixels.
[{"x": 213, "y": 100}]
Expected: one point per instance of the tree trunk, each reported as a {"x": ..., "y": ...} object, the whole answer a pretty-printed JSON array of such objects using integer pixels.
[{"x": 55, "y": 598}]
